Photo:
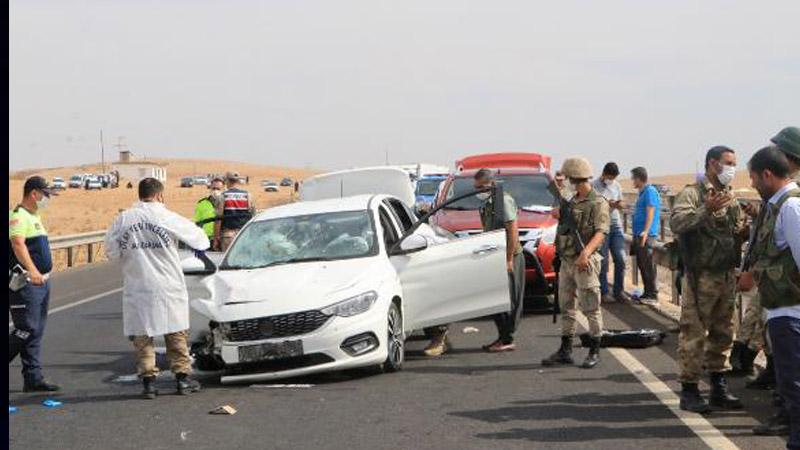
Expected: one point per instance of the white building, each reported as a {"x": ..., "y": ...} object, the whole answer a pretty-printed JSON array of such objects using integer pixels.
[{"x": 132, "y": 170}]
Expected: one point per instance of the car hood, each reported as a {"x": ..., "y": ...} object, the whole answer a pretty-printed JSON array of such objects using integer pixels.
[
  {"x": 454, "y": 220},
  {"x": 240, "y": 294}
]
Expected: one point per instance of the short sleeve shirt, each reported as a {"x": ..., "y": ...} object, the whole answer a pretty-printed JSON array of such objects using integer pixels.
[
  {"x": 22, "y": 223},
  {"x": 647, "y": 197}
]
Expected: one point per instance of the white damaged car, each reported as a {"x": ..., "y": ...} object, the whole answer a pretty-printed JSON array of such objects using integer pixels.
[{"x": 336, "y": 284}]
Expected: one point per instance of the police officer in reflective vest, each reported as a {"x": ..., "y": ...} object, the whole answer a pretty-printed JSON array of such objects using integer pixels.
[
  {"x": 578, "y": 277},
  {"x": 776, "y": 273},
  {"x": 709, "y": 225},
  {"x": 237, "y": 209},
  {"x": 28, "y": 304}
]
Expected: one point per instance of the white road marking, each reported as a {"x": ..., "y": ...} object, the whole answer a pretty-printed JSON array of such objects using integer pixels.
[
  {"x": 695, "y": 422},
  {"x": 79, "y": 302}
]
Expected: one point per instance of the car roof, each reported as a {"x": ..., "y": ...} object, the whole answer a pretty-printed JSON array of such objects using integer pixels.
[
  {"x": 354, "y": 203},
  {"x": 501, "y": 171}
]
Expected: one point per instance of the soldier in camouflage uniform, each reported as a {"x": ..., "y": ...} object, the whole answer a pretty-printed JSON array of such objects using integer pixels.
[
  {"x": 708, "y": 222},
  {"x": 578, "y": 277}
]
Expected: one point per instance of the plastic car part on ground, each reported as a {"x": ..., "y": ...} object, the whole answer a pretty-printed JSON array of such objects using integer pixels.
[
  {"x": 12, "y": 409},
  {"x": 50, "y": 403},
  {"x": 224, "y": 410},
  {"x": 641, "y": 338}
]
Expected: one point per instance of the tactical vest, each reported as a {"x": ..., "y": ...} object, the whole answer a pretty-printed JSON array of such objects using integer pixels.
[
  {"x": 585, "y": 217},
  {"x": 713, "y": 246},
  {"x": 775, "y": 270},
  {"x": 235, "y": 209},
  {"x": 486, "y": 213}
]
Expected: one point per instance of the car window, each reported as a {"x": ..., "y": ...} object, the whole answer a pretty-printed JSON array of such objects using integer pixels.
[
  {"x": 404, "y": 217},
  {"x": 527, "y": 191},
  {"x": 427, "y": 187},
  {"x": 389, "y": 232}
]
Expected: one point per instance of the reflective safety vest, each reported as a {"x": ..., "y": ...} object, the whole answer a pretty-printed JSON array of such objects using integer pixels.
[
  {"x": 22, "y": 222},
  {"x": 775, "y": 270}
]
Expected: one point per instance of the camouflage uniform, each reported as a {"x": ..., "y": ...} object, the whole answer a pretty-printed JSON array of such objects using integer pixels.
[
  {"x": 752, "y": 331},
  {"x": 710, "y": 251},
  {"x": 577, "y": 289}
]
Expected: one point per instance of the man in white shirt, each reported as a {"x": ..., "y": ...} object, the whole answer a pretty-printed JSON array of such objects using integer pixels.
[
  {"x": 155, "y": 301},
  {"x": 607, "y": 186},
  {"x": 776, "y": 272}
]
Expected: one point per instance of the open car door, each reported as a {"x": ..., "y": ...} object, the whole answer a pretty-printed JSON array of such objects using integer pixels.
[
  {"x": 198, "y": 285},
  {"x": 456, "y": 280}
]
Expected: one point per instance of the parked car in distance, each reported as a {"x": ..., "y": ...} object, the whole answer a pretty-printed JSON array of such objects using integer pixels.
[
  {"x": 187, "y": 182},
  {"x": 425, "y": 192},
  {"x": 526, "y": 181},
  {"x": 201, "y": 181},
  {"x": 287, "y": 182},
  {"x": 58, "y": 183},
  {"x": 377, "y": 276},
  {"x": 94, "y": 183},
  {"x": 76, "y": 181},
  {"x": 663, "y": 188},
  {"x": 270, "y": 186}
]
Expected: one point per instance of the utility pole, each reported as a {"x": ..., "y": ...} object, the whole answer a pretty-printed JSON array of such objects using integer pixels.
[
  {"x": 102, "y": 153},
  {"x": 387, "y": 156}
]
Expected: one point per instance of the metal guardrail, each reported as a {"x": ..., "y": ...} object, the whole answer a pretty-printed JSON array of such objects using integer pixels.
[{"x": 70, "y": 243}]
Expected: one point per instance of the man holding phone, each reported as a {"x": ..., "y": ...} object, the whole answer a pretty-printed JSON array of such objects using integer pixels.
[
  {"x": 30, "y": 250},
  {"x": 607, "y": 186}
]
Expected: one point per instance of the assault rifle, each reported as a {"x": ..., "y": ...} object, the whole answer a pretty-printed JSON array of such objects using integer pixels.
[{"x": 566, "y": 226}]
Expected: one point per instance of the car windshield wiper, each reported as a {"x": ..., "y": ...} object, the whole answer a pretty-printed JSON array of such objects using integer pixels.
[{"x": 459, "y": 208}]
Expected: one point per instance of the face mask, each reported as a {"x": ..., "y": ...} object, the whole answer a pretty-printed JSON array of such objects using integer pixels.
[
  {"x": 607, "y": 182},
  {"x": 42, "y": 204},
  {"x": 726, "y": 176},
  {"x": 482, "y": 196},
  {"x": 216, "y": 193}
]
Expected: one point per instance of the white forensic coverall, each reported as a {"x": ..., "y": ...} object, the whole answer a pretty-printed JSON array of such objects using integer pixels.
[{"x": 145, "y": 238}]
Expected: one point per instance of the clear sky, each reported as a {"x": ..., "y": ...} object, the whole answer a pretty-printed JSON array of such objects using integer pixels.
[{"x": 333, "y": 84}]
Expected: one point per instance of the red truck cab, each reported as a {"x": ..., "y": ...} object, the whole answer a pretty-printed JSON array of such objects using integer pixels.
[{"x": 524, "y": 176}]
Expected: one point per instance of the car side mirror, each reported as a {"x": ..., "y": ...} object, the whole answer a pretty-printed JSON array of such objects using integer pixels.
[
  {"x": 198, "y": 266},
  {"x": 413, "y": 243}
]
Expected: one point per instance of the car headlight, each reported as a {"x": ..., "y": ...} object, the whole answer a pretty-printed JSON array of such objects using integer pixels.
[
  {"x": 549, "y": 235},
  {"x": 351, "y": 306}
]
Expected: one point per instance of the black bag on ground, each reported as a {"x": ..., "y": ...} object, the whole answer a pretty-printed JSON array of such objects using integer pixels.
[{"x": 641, "y": 338}]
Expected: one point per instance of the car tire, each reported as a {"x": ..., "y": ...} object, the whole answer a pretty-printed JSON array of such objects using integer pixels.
[{"x": 395, "y": 341}]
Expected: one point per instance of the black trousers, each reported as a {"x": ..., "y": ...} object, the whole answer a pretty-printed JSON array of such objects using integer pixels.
[
  {"x": 646, "y": 264},
  {"x": 508, "y": 322}
]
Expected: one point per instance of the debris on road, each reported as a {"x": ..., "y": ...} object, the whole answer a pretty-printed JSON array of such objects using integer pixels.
[
  {"x": 50, "y": 403},
  {"x": 467, "y": 330},
  {"x": 225, "y": 410},
  {"x": 282, "y": 386},
  {"x": 12, "y": 409},
  {"x": 184, "y": 434}
]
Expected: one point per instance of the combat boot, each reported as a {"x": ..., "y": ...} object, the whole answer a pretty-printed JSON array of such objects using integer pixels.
[
  {"x": 185, "y": 384},
  {"x": 720, "y": 396},
  {"x": 563, "y": 355},
  {"x": 149, "y": 392},
  {"x": 593, "y": 358},
  {"x": 736, "y": 357},
  {"x": 766, "y": 379},
  {"x": 691, "y": 400},
  {"x": 777, "y": 425}
]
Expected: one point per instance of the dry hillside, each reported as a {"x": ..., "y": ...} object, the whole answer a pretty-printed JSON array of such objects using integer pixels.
[
  {"x": 741, "y": 182},
  {"x": 78, "y": 211}
]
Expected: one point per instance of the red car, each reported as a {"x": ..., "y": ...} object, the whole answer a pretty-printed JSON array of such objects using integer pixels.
[{"x": 527, "y": 182}]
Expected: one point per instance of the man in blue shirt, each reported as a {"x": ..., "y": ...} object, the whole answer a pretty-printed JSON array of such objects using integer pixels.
[{"x": 646, "y": 223}]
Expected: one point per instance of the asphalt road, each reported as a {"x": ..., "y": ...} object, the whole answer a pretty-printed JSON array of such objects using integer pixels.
[{"x": 464, "y": 400}]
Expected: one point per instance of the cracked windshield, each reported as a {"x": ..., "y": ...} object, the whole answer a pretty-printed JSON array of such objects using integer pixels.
[{"x": 315, "y": 237}]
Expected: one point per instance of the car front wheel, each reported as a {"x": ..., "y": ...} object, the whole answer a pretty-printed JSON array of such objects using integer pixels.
[{"x": 395, "y": 340}]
